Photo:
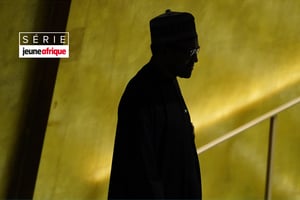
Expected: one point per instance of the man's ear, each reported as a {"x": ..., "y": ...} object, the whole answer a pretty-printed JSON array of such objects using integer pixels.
[{"x": 165, "y": 52}]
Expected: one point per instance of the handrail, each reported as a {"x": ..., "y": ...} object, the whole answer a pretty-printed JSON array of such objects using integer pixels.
[
  {"x": 269, "y": 115},
  {"x": 248, "y": 125}
]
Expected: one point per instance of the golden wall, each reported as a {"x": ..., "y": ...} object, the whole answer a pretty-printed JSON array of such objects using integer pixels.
[{"x": 249, "y": 63}]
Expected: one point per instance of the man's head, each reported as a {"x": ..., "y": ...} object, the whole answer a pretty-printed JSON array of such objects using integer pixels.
[{"x": 174, "y": 42}]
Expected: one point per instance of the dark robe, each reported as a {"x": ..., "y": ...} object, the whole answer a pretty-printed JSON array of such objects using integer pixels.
[{"x": 154, "y": 154}]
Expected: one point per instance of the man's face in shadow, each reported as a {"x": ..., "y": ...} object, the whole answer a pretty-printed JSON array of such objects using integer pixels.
[{"x": 182, "y": 56}]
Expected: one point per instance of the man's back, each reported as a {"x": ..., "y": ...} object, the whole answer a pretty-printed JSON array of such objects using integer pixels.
[{"x": 155, "y": 154}]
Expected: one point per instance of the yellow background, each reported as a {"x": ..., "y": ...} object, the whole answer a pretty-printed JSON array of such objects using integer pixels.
[{"x": 248, "y": 64}]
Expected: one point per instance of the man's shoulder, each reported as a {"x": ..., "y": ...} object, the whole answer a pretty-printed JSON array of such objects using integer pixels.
[
  {"x": 143, "y": 81},
  {"x": 142, "y": 87}
]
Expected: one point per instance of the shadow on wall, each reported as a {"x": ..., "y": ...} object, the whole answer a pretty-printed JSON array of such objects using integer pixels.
[{"x": 36, "y": 99}]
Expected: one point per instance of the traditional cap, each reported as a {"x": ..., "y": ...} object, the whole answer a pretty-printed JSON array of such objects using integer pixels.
[{"x": 172, "y": 27}]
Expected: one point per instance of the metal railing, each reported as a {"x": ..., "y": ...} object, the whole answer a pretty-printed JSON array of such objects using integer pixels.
[{"x": 269, "y": 115}]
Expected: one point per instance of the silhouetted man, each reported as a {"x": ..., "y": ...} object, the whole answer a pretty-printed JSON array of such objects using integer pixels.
[{"x": 154, "y": 154}]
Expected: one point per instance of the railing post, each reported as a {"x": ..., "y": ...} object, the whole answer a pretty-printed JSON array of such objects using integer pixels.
[{"x": 270, "y": 158}]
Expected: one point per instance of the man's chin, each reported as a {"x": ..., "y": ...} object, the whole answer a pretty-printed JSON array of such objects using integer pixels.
[{"x": 185, "y": 74}]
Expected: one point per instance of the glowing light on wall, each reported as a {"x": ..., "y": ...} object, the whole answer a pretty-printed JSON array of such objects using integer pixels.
[{"x": 253, "y": 95}]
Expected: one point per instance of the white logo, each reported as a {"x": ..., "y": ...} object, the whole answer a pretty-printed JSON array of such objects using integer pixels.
[{"x": 43, "y": 44}]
